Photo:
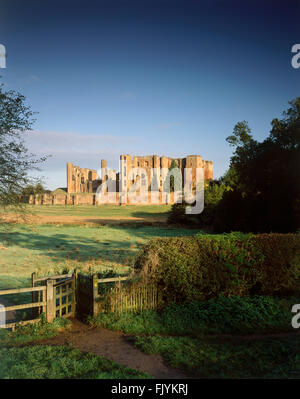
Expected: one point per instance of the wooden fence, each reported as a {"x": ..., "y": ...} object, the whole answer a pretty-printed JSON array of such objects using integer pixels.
[
  {"x": 63, "y": 300},
  {"x": 43, "y": 303},
  {"x": 74, "y": 293},
  {"x": 133, "y": 296},
  {"x": 52, "y": 295}
]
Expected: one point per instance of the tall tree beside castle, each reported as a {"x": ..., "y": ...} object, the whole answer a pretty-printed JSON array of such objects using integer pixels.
[{"x": 261, "y": 190}]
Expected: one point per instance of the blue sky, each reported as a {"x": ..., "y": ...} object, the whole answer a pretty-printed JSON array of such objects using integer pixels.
[{"x": 148, "y": 77}]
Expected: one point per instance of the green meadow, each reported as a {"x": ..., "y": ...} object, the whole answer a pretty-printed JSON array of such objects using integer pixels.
[
  {"x": 48, "y": 249},
  {"x": 159, "y": 212}
]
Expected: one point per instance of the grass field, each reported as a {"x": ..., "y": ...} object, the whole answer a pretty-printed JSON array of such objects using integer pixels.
[
  {"x": 226, "y": 337},
  {"x": 214, "y": 339},
  {"x": 60, "y": 362},
  {"x": 50, "y": 248},
  {"x": 146, "y": 212},
  {"x": 228, "y": 358}
]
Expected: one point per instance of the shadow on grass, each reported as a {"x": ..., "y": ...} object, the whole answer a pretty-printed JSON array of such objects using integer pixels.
[
  {"x": 109, "y": 243},
  {"x": 77, "y": 243}
]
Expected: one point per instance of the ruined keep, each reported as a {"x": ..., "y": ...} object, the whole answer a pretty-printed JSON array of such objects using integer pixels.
[{"x": 82, "y": 183}]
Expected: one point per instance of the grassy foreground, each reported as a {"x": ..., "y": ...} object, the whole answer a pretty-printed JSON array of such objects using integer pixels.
[
  {"x": 231, "y": 337},
  {"x": 42, "y": 361},
  {"x": 55, "y": 362},
  {"x": 48, "y": 249},
  {"x": 220, "y": 358},
  {"x": 159, "y": 212}
]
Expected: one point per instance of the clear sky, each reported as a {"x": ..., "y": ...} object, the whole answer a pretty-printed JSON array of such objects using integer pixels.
[{"x": 143, "y": 77}]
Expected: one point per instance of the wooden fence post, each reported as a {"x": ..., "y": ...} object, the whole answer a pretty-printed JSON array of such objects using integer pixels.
[
  {"x": 44, "y": 299},
  {"x": 33, "y": 276},
  {"x": 35, "y": 311},
  {"x": 50, "y": 301},
  {"x": 95, "y": 294},
  {"x": 74, "y": 288}
]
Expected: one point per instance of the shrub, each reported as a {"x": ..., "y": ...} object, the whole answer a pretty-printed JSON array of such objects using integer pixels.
[
  {"x": 203, "y": 267},
  {"x": 177, "y": 214},
  {"x": 213, "y": 194},
  {"x": 222, "y": 315}
]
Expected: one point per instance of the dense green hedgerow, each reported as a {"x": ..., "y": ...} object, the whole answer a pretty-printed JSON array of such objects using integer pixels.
[
  {"x": 223, "y": 315},
  {"x": 206, "y": 266}
]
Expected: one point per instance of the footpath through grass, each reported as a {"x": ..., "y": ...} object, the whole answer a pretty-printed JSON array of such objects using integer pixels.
[
  {"x": 44, "y": 361},
  {"x": 218, "y": 338}
]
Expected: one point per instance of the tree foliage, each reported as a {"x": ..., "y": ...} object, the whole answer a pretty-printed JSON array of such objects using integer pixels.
[
  {"x": 15, "y": 160},
  {"x": 261, "y": 190},
  {"x": 266, "y": 189},
  {"x": 213, "y": 192},
  {"x": 32, "y": 189}
]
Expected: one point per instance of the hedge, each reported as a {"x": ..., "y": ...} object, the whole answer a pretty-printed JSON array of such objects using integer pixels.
[{"x": 207, "y": 266}]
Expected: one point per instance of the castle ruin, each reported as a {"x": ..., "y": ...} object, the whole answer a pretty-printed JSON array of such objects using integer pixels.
[{"x": 82, "y": 183}]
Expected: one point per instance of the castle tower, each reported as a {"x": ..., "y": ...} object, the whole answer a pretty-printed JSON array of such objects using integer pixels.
[
  {"x": 208, "y": 170},
  {"x": 70, "y": 169},
  {"x": 103, "y": 170}
]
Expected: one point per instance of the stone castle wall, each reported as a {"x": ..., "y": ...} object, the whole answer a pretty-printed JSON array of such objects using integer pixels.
[
  {"x": 82, "y": 183},
  {"x": 87, "y": 199}
]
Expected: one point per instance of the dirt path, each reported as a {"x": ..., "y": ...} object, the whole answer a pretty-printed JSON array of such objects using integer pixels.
[{"x": 113, "y": 345}]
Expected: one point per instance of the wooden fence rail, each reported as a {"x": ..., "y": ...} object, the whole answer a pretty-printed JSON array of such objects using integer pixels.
[
  {"x": 56, "y": 277},
  {"x": 75, "y": 293},
  {"x": 45, "y": 298},
  {"x": 22, "y": 306},
  {"x": 112, "y": 279},
  {"x": 20, "y": 290}
]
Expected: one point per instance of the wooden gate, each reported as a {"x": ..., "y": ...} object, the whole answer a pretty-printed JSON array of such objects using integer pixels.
[
  {"x": 74, "y": 293},
  {"x": 84, "y": 292},
  {"x": 64, "y": 297},
  {"x": 61, "y": 294}
]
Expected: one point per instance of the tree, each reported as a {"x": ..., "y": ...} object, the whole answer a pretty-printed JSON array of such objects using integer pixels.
[
  {"x": 266, "y": 189},
  {"x": 15, "y": 160},
  {"x": 32, "y": 189},
  {"x": 241, "y": 135},
  {"x": 213, "y": 192}
]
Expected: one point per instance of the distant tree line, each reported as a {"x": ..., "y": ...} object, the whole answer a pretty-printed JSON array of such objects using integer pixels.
[
  {"x": 34, "y": 189},
  {"x": 261, "y": 190}
]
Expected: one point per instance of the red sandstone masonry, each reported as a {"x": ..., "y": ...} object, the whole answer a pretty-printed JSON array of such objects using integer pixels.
[{"x": 82, "y": 183}]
